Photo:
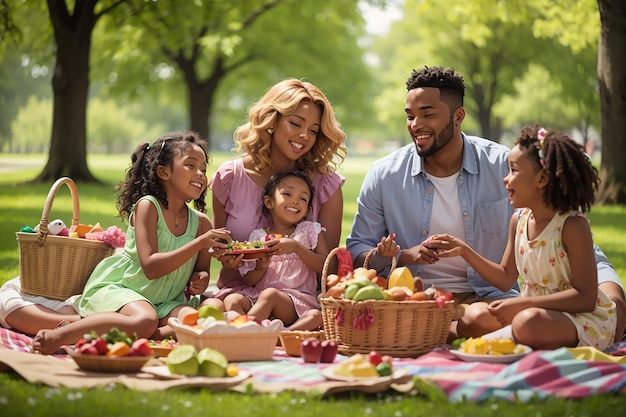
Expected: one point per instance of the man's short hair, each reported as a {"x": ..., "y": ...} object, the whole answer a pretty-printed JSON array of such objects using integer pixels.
[{"x": 449, "y": 83}]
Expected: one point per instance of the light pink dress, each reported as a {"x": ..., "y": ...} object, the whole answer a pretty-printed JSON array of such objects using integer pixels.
[
  {"x": 242, "y": 199},
  {"x": 287, "y": 273}
]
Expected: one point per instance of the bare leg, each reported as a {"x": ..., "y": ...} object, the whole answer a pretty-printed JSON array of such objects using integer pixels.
[
  {"x": 615, "y": 293},
  {"x": 273, "y": 303},
  {"x": 136, "y": 317},
  {"x": 238, "y": 303},
  {"x": 544, "y": 329},
  {"x": 215, "y": 302},
  {"x": 311, "y": 320},
  {"x": 476, "y": 321},
  {"x": 30, "y": 319}
]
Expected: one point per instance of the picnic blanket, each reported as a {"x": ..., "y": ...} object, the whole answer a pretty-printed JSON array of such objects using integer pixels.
[{"x": 564, "y": 373}]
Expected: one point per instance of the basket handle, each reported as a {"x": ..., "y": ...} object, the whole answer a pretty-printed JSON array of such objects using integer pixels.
[
  {"x": 365, "y": 265},
  {"x": 45, "y": 215}
]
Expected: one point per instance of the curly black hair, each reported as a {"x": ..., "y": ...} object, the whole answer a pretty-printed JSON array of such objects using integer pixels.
[
  {"x": 572, "y": 179},
  {"x": 450, "y": 84},
  {"x": 141, "y": 176}
]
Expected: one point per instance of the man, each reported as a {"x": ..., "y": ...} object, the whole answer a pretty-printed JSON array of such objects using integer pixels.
[{"x": 446, "y": 182}]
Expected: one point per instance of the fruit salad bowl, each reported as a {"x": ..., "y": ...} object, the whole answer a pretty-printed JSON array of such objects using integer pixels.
[
  {"x": 108, "y": 364},
  {"x": 249, "y": 341}
]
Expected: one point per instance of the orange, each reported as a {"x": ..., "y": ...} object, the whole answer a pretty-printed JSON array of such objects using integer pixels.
[
  {"x": 401, "y": 277},
  {"x": 190, "y": 318},
  {"x": 118, "y": 349}
]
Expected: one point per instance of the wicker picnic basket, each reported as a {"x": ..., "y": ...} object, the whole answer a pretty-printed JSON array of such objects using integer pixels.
[
  {"x": 396, "y": 328},
  {"x": 57, "y": 267}
]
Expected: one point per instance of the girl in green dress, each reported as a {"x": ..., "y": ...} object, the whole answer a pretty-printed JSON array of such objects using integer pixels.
[{"x": 166, "y": 252}]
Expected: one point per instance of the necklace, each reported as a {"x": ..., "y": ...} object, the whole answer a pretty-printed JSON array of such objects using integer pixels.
[{"x": 176, "y": 216}]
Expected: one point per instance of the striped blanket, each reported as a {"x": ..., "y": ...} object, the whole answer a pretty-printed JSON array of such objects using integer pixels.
[{"x": 564, "y": 373}]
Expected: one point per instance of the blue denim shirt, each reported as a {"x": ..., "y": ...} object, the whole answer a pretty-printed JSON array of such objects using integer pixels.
[{"x": 397, "y": 197}]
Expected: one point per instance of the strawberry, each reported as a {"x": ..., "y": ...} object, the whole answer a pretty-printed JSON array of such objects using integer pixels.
[{"x": 375, "y": 358}]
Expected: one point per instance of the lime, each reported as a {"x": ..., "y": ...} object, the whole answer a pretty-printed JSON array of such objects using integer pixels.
[
  {"x": 373, "y": 292},
  {"x": 211, "y": 311},
  {"x": 183, "y": 360},
  {"x": 212, "y": 363}
]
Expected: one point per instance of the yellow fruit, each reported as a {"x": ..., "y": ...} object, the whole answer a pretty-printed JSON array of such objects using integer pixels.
[
  {"x": 478, "y": 346},
  {"x": 502, "y": 346},
  {"x": 401, "y": 277}
]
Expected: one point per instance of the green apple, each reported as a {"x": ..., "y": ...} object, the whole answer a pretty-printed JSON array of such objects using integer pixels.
[{"x": 183, "y": 360}]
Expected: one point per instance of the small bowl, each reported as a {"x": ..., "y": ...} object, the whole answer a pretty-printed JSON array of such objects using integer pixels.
[
  {"x": 109, "y": 364},
  {"x": 291, "y": 339}
]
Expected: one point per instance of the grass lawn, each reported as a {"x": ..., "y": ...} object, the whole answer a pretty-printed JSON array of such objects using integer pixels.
[{"x": 22, "y": 205}]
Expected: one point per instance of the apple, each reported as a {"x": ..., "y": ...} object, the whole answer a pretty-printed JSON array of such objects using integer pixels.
[
  {"x": 311, "y": 350},
  {"x": 100, "y": 345},
  {"x": 140, "y": 347},
  {"x": 87, "y": 349},
  {"x": 329, "y": 351}
]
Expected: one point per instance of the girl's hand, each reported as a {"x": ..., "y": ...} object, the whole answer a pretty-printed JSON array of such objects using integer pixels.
[
  {"x": 505, "y": 310},
  {"x": 421, "y": 254},
  {"x": 281, "y": 246},
  {"x": 388, "y": 246},
  {"x": 263, "y": 263},
  {"x": 445, "y": 246},
  {"x": 216, "y": 239},
  {"x": 198, "y": 282}
]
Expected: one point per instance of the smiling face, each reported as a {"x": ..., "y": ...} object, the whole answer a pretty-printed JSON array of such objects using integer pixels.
[
  {"x": 296, "y": 133},
  {"x": 186, "y": 177},
  {"x": 524, "y": 182},
  {"x": 290, "y": 202},
  {"x": 430, "y": 122}
]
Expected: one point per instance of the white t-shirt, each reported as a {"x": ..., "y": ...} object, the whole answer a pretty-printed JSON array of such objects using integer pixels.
[{"x": 447, "y": 273}]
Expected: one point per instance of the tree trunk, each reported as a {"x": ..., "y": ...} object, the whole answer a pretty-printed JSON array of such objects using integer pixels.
[
  {"x": 612, "y": 80},
  {"x": 70, "y": 84},
  {"x": 201, "y": 94}
]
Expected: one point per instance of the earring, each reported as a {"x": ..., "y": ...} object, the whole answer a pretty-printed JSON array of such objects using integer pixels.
[{"x": 270, "y": 130}]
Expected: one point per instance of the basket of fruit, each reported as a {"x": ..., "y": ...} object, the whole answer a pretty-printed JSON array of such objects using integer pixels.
[
  {"x": 393, "y": 316},
  {"x": 239, "y": 338},
  {"x": 58, "y": 266}
]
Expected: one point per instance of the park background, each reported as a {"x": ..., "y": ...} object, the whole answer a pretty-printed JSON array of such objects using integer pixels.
[{"x": 82, "y": 82}]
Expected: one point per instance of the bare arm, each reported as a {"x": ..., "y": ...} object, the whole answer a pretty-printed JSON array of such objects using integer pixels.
[
  {"x": 502, "y": 276},
  {"x": 156, "y": 264},
  {"x": 330, "y": 217}
]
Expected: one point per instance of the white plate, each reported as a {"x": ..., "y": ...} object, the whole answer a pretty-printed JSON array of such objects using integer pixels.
[
  {"x": 472, "y": 357},
  {"x": 164, "y": 372},
  {"x": 329, "y": 373}
]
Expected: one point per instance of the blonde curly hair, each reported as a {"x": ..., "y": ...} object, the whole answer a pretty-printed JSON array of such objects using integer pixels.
[{"x": 280, "y": 100}]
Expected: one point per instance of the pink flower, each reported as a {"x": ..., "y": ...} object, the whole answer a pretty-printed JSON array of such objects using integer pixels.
[{"x": 113, "y": 237}]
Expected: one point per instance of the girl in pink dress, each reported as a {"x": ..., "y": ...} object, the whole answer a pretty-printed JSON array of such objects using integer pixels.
[
  {"x": 550, "y": 248},
  {"x": 292, "y": 126},
  {"x": 282, "y": 284}
]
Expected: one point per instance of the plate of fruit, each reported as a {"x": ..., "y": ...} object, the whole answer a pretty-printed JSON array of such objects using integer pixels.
[
  {"x": 112, "y": 352},
  {"x": 249, "y": 249},
  {"x": 371, "y": 368},
  {"x": 161, "y": 348},
  {"x": 185, "y": 362},
  {"x": 491, "y": 351}
]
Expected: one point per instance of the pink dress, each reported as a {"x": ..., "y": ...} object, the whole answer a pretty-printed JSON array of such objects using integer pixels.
[
  {"x": 287, "y": 273},
  {"x": 544, "y": 268},
  {"x": 242, "y": 199}
]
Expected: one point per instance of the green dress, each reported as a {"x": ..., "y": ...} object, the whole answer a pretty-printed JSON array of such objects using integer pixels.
[{"x": 119, "y": 279}]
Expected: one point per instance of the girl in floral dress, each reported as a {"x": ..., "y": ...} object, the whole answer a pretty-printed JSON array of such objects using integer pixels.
[{"x": 550, "y": 248}]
